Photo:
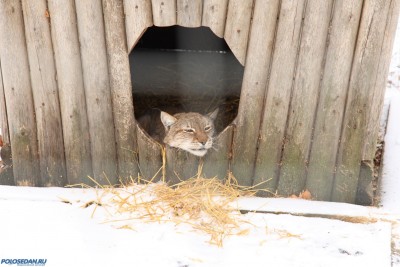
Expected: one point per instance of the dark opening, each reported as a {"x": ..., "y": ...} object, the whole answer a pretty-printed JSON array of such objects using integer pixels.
[{"x": 179, "y": 69}]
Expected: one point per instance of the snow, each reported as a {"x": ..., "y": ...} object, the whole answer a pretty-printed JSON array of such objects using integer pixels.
[
  {"x": 394, "y": 69},
  {"x": 390, "y": 120},
  {"x": 390, "y": 182},
  {"x": 36, "y": 223},
  {"x": 390, "y": 199}
]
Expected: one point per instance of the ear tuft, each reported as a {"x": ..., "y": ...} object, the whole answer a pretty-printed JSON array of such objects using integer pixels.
[
  {"x": 213, "y": 115},
  {"x": 167, "y": 119}
]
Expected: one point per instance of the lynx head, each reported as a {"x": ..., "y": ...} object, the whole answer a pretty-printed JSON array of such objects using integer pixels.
[{"x": 191, "y": 131}]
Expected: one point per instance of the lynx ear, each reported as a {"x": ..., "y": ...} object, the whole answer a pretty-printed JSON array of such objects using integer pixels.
[
  {"x": 213, "y": 115},
  {"x": 167, "y": 119}
]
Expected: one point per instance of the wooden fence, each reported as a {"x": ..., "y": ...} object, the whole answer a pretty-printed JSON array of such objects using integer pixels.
[{"x": 311, "y": 95}]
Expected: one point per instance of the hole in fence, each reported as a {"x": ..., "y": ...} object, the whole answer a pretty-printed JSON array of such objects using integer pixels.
[{"x": 177, "y": 69}]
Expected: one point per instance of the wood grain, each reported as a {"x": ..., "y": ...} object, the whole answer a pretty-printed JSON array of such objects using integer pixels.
[
  {"x": 18, "y": 94},
  {"x": 214, "y": 15},
  {"x": 362, "y": 82},
  {"x": 180, "y": 165},
  {"x": 45, "y": 93},
  {"x": 97, "y": 90},
  {"x": 150, "y": 157},
  {"x": 138, "y": 16},
  {"x": 7, "y": 172},
  {"x": 333, "y": 93},
  {"x": 253, "y": 90},
  {"x": 189, "y": 13},
  {"x": 216, "y": 161},
  {"x": 375, "y": 110},
  {"x": 71, "y": 90},
  {"x": 3, "y": 112},
  {"x": 121, "y": 89},
  {"x": 237, "y": 25},
  {"x": 306, "y": 88},
  {"x": 365, "y": 194},
  {"x": 277, "y": 100},
  {"x": 164, "y": 12}
]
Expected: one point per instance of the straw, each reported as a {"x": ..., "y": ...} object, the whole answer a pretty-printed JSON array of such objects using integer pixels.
[{"x": 202, "y": 203}]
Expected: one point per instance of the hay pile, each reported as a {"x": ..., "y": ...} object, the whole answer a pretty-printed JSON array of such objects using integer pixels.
[{"x": 204, "y": 204}]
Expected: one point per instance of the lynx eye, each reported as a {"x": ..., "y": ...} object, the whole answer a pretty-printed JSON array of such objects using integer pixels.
[
  {"x": 207, "y": 128},
  {"x": 188, "y": 130}
]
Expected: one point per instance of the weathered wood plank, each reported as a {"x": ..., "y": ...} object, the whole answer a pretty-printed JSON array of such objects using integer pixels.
[
  {"x": 189, "y": 12},
  {"x": 97, "y": 90},
  {"x": 45, "y": 93},
  {"x": 365, "y": 190},
  {"x": 362, "y": 82},
  {"x": 375, "y": 110},
  {"x": 3, "y": 112},
  {"x": 138, "y": 16},
  {"x": 237, "y": 25},
  {"x": 121, "y": 89},
  {"x": 278, "y": 94},
  {"x": 164, "y": 12},
  {"x": 214, "y": 15},
  {"x": 71, "y": 90},
  {"x": 332, "y": 99},
  {"x": 18, "y": 93},
  {"x": 6, "y": 172},
  {"x": 216, "y": 161},
  {"x": 365, "y": 194},
  {"x": 253, "y": 89},
  {"x": 150, "y": 156},
  {"x": 303, "y": 105},
  {"x": 180, "y": 165}
]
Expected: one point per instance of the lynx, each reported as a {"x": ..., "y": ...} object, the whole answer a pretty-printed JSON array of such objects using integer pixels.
[{"x": 190, "y": 131}]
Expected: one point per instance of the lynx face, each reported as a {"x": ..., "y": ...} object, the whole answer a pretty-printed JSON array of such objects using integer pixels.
[{"x": 191, "y": 131}]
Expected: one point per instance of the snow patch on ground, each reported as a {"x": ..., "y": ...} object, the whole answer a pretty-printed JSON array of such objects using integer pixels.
[
  {"x": 390, "y": 182},
  {"x": 36, "y": 223},
  {"x": 390, "y": 199}
]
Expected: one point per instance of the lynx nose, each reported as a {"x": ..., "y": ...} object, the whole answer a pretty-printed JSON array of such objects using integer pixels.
[{"x": 202, "y": 138}]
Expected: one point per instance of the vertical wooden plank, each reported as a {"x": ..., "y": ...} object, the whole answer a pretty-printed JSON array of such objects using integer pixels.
[
  {"x": 362, "y": 81},
  {"x": 3, "y": 111},
  {"x": 18, "y": 92},
  {"x": 97, "y": 90},
  {"x": 45, "y": 93},
  {"x": 71, "y": 90},
  {"x": 374, "y": 112},
  {"x": 150, "y": 156},
  {"x": 214, "y": 15},
  {"x": 216, "y": 161},
  {"x": 253, "y": 89},
  {"x": 305, "y": 96},
  {"x": 180, "y": 165},
  {"x": 237, "y": 26},
  {"x": 365, "y": 194},
  {"x": 189, "y": 12},
  {"x": 365, "y": 190},
  {"x": 138, "y": 16},
  {"x": 6, "y": 175},
  {"x": 164, "y": 12},
  {"x": 278, "y": 94},
  {"x": 333, "y": 92},
  {"x": 121, "y": 88}
]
